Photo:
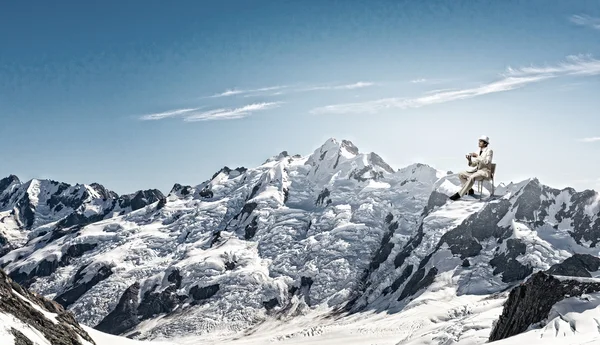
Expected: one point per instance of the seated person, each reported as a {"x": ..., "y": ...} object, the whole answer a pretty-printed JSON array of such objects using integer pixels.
[{"x": 482, "y": 168}]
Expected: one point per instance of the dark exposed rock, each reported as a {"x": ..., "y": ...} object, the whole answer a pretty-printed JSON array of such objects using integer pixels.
[
  {"x": 255, "y": 190},
  {"x": 155, "y": 303},
  {"x": 413, "y": 243},
  {"x": 215, "y": 238},
  {"x": 270, "y": 304},
  {"x": 507, "y": 264},
  {"x": 584, "y": 229},
  {"x": 464, "y": 239},
  {"x": 140, "y": 199},
  {"x": 418, "y": 281},
  {"x": 206, "y": 193},
  {"x": 81, "y": 220},
  {"x": 58, "y": 200},
  {"x": 385, "y": 248},
  {"x": 305, "y": 285},
  {"x": 248, "y": 208},
  {"x": 230, "y": 265},
  {"x": 202, "y": 293},
  {"x": 578, "y": 265},
  {"x": 324, "y": 194},
  {"x": 175, "y": 278},
  {"x": 103, "y": 192},
  {"x": 350, "y": 147},
  {"x": 66, "y": 331},
  {"x": 161, "y": 203},
  {"x": 322, "y": 156},
  {"x": 378, "y": 161},
  {"x": 183, "y": 190},
  {"x": 436, "y": 199},
  {"x": 124, "y": 316},
  {"x": 227, "y": 170},
  {"x": 20, "y": 338},
  {"x": 400, "y": 280},
  {"x": 358, "y": 174},
  {"x": 26, "y": 211},
  {"x": 530, "y": 302},
  {"x": 7, "y": 181},
  {"x": 466, "y": 263},
  {"x": 77, "y": 250},
  {"x": 43, "y": 269},
  {"x": 80, "y": 287},
  {"x": 48, "y": 266},
  {"x": 389, "y": 218},
  {"x": 251, "y": 229},
  {"x": 306, "y": 281},
  {"x": 286, "y": 195},
  {"x": 528, "y": 201}
]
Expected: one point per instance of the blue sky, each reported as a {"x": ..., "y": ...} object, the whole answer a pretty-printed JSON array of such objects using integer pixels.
[{"x": 143, "y": 94}]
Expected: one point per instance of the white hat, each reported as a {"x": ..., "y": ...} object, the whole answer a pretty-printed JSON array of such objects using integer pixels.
[{"x": 485, "y": 138}]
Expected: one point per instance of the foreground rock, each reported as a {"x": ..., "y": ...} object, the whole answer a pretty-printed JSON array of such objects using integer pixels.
[
  {"x": 530, "y": 302},
  {"x": 32, "y": 319}
]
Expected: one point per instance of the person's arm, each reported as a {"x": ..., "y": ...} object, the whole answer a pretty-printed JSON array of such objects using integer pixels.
[
  {"x": 485, "y": 158},
  {"x": 470, "y": 162}
]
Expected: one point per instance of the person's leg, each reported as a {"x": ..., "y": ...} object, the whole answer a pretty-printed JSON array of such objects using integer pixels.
[
  {"x": 478, "y": 175},
  {"x": 464, "y": 176}
]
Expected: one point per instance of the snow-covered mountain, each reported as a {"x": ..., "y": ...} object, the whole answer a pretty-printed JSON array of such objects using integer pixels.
[{"x": 339, "y": 233}]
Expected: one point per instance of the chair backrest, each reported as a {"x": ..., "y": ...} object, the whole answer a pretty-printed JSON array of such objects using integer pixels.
[{"x": 493, "y": 169}]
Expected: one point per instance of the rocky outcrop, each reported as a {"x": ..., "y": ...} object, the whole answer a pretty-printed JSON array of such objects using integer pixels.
[
  {"x": 578, "y": 265},
  {"x": 124, "y": 316},
  {"x": 140, "y": 199},
  {"x": 25, "y": 306},
  {"x": 530, "y": 302},
  {"x": 507, "y": 263},
  {"x": 132, "y": 309},
  {"x": 81, "y": 286},
  {"x": 48, "y": 266}
]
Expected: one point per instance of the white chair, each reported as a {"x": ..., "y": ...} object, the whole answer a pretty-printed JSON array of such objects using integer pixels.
[{"x": 491, "y": 179}]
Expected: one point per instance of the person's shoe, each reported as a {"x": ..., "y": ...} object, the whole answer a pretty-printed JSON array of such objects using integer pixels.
[
  {"x": 471, "y": 192},
  {"x": 455, "y": 197}
]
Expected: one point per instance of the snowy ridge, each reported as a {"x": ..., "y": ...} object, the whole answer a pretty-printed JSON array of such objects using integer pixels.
[{"x": 336, "y": 231}]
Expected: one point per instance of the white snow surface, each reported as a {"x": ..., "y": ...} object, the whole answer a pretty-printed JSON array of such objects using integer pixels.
[{"x": 438, "y": 316}]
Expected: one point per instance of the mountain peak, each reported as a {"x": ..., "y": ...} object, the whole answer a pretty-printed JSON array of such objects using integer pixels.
[
  {"x": 335, "y": 144},
  {"x": 7, "y": 181}
]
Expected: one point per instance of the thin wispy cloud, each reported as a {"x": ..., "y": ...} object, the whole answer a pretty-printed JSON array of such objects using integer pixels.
[
  {"x": 589, "y": 140},
  {"x": 233, "y": 92},
  {"x": 573, "y": 65},
  {"x": 358, "y": 85},
  {"x": 230, "y": 114},
  {"x": 513, "y": 78},
  {"x": 418, "y": 81},
  {"x": 290, "y": 89},
  {"x": 167, "y": 114},
  {"x": 585, "y": 20}
]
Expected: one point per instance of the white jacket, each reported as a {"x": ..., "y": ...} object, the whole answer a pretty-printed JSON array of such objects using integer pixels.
[{"x": 483, "y": 161}]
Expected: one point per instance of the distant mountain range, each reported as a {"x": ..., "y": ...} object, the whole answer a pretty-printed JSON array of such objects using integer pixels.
[{"x": 337, "y": 229}]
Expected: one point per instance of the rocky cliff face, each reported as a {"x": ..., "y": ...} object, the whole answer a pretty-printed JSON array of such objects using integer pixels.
[
  {"x": 530, "y": 302},
  {"x": 31, "y": 319}
]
